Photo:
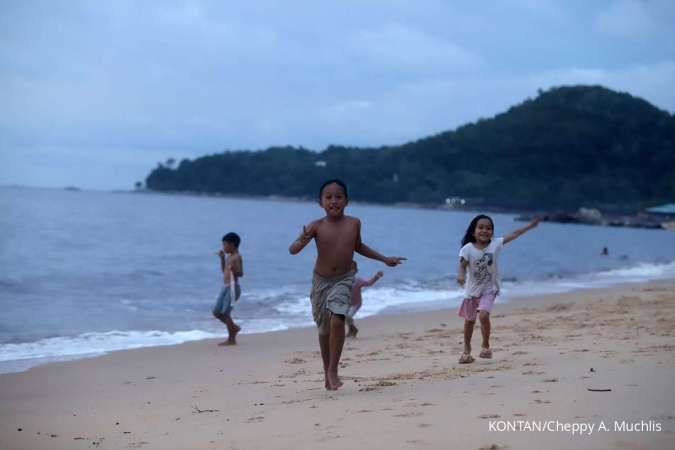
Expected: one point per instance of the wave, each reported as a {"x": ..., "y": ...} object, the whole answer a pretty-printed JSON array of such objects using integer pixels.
[
  {"x": 293, "y": 311},
  {"x": 93, "y": 344}
]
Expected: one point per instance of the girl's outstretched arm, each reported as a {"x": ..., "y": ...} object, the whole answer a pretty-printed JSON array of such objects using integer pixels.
[
  {"x": 374, "y": 279},
  {"x": 520, "y": 231}
]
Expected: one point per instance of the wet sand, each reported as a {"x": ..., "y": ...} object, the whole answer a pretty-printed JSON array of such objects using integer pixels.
[{"x": 403, "y": 386}]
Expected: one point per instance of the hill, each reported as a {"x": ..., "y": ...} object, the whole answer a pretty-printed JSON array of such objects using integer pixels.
[{"x": 569, "y": 147}]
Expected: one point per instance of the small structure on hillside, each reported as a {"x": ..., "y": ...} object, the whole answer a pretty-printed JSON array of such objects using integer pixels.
[{"x": 662, "y": 212}]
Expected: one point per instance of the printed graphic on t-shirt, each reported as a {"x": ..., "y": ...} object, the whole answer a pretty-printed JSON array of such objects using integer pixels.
[{"x": 481, "y": 272}]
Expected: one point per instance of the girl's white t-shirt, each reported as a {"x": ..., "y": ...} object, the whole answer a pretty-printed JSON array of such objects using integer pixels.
[{"x": 482, "y": 274}]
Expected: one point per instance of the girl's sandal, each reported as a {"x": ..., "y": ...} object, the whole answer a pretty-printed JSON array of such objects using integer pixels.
[
  {"x": 466, "y": 359},
  {"x": 485, "y": 353}
]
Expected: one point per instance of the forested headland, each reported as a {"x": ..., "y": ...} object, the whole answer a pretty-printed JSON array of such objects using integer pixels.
[{"x": 568, "y": 147}]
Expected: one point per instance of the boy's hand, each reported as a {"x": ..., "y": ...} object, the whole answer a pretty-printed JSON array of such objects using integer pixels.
[
  {"x": 393, "y": 261},
  {"x": 220, "y": 253},
  {"x": 305, "y": 236},
  {"x": 534, "y": 222},
  {"x": 461, "y": 279},
  {"x": 379, "y": 274}
]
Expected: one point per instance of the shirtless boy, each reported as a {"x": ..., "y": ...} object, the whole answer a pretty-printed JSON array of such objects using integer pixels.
[{"x": 337, "y": 237}]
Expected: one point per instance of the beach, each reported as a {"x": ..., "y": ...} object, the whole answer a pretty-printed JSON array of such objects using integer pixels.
[{"x": 403, "y": 387}]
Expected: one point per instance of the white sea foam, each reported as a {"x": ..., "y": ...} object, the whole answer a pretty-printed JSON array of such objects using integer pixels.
[
  {"x": 91, "y": 344},
  {"x": 295, "y": 312},
  {"x": 639, "y": 273}
]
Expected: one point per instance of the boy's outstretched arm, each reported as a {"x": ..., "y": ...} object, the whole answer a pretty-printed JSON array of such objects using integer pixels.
[
  {"x": 363, "y": 249},
  {"x": 368, "y": 252},
  {"x": 308, "y": 232},
  {"x": 520, "y": 231}
]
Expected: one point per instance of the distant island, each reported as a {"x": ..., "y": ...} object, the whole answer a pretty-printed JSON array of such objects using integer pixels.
[{"x": 568, "y": 147}]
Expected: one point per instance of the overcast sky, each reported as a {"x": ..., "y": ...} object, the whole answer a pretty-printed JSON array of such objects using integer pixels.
[{"x": 94, "y": 93}]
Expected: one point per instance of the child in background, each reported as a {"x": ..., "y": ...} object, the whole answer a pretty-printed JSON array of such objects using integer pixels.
[
  {"x": 337, "y": 237},
  {"x": 359, "y": 283},
  {"x": 232, "y": 267},
  {"x": 479, "y": 255}
]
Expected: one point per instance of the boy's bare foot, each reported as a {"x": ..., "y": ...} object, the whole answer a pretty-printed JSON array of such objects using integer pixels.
[
  {"x": 236, "y": 331},
  {"x": 466, "y": 358},
  {"x": 228, "y": 342},
  {"x": 332, "y": 381},
  {"x": 353, "y": 331}
]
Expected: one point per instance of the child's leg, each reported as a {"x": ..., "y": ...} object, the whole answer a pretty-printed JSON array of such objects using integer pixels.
[
  {"x": 324, "y": 341},
  {"x": 221, "y": 317},
  {"x": 336, "y": 342},
  {"x": 468, "y": 333},
  {"x": 232, "y": 329},
  {"x": 484, "y": 317},
  {"x": 352, "y": 328}
]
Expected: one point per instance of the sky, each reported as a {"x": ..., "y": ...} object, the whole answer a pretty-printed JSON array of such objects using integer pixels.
[{"x": 94, "y": 94}]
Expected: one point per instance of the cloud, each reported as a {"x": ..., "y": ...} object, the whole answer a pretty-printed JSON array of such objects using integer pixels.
[
  {"x": 636, "y": 20},
  {"x": 626, "y": 20},
  {"x": 394, "y": 47},
  {"x": 183, "y": 79}
]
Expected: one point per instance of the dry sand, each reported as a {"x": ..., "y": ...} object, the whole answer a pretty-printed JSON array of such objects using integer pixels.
[{"x": 403, "y": 386}]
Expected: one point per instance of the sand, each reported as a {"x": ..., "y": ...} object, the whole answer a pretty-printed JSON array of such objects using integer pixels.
[{"x": 403, "y": 386}]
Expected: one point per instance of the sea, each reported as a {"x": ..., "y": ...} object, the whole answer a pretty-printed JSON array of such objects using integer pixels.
[{"x": 84, "y": 273}]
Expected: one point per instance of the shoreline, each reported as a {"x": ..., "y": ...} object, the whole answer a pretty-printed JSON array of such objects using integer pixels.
[
  {"x": 402, "y": 384},
  {"x": 518, "y": 298}
]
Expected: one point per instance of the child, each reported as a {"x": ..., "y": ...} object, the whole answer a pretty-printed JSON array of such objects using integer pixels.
[
  {"x": 337, "y": 237},
  {"x": 359, "y": 283},
  {"x": 479, "y": 253},
  {"x": 232, "y": 269}
]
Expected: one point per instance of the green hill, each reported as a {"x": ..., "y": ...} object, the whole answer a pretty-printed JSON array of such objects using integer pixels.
[{"x": 569, "y": 147}]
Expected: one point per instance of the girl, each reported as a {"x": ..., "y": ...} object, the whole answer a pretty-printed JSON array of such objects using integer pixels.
[
  {"x": 359, "y": 283},
  {"x": 479, "y": 252}
]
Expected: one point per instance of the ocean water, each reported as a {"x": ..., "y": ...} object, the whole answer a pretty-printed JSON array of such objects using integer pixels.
[{"x": 84, "y": 273}]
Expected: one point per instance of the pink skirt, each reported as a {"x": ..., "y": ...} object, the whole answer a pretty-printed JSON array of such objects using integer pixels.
[{"x": 470, "y": 306}]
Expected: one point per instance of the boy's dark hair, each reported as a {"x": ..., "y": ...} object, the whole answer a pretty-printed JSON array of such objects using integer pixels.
[
  {"x": 232, "y": 238},
  {"x": 468, "y": 236},
  {"x": 336, "y": 181}
]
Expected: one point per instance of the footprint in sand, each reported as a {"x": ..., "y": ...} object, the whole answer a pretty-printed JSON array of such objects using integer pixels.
[
  {"x": 542, "y": 402},
  {"x": 256, "y": 419},
  {"x": 532, "y": 372},
  {"x": 550, "y": 380},
  {"x": 295, "y": 361},
  {"x": 137, "y": 444},
  {"x": 489, "y": 416},
  {"x": 367, "y": 389},
  {"x": 409, "y": 414}
]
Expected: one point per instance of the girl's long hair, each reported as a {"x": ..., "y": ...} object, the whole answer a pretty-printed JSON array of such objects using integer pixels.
[{"x": 468, "y": 236}]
